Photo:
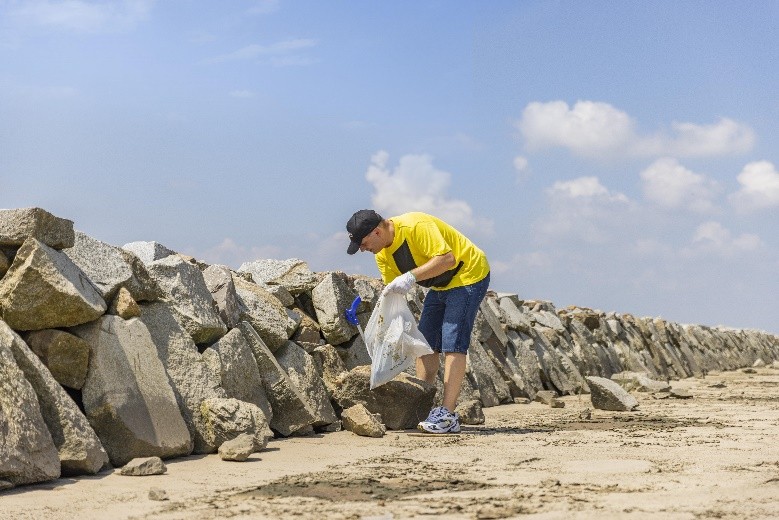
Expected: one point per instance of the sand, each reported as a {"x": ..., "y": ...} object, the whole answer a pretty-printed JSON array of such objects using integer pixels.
[{"x": 712, "y": 456}]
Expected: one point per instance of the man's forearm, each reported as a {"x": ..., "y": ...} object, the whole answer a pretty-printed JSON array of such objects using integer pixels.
[{"x": 433, "y": 267}]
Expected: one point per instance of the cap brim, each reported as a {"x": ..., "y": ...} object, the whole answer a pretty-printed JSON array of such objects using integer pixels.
[{"x": 353, "y": 247}]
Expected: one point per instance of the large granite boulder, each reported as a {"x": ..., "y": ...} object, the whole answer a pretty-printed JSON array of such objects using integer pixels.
[
  {"x": 219, "y": 281},
  {"x": 17, "y": 225},
  {"x": 148, "y": 252},
  {"x": 65, "y": 355},
  {"x": 27, "y": 451},
  {"x": 302, "y": 372},
  {"x": 44, "y": 289},
  {"x": 493, "y": 390},
  {"x": 331, "y": 297},
  {"x": 232, "y": 362},
  {"x": 265, "y": 313},
  {"x": 80, "y": 451},
  {"x": 127, "y": 395},
  {"x": 226, "y": 419},
  {"x": 108, "y": 269},
  {"x": 293, "y": 274},
  {"x": 291, "y": 413},
  {"x": 190, "y": 377},
  {"x": 186, "y": 290},
  {"x": 402, "y": 402},
  {"x": 608, "y": 395}
]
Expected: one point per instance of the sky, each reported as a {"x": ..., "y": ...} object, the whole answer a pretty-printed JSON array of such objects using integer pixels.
[{"x": 617, "y": 155}]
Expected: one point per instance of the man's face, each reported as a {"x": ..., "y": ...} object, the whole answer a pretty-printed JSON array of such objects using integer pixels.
[{"x": 372, "y": 242}]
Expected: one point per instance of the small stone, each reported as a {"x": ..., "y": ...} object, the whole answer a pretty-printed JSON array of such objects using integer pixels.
[
  {"x": 141, "y": 467},
  {"x": 661, "y": 395},
  {"x": 585, "y": 415},
  {"x": 124, "y": 305},
  {"x": 557, "y": 403},
  {"x": 758, "y": 363},
  {"x": 521, "y": 400},
  {"x": 237, "y": 449},
  {"x": 158, "y": 494},
  {"x": 719, "y": 384},
  {"x": 749, "y": 371},
  {"x": 681, "y": 394},
  {"x": 546, "y": 396}
]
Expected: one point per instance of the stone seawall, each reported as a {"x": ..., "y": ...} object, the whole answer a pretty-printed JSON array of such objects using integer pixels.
[{"x": 113, "y": 353}]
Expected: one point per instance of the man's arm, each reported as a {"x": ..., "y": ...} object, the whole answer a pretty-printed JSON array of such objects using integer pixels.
[{"x": 435, "y": 266}]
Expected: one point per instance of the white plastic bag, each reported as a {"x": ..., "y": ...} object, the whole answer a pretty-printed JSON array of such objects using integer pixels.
[{"x": 393, "y": 339}]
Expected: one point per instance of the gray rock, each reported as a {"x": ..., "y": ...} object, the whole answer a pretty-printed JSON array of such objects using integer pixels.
[
  {"x": 17, "y": 225},
  {"x": 219, "y": 281},
  {"x": 488, "y": 311},
  {"x": 546, "y": 396},
  {"x": 291, "y": 413},
  {"x": 608, "y": 395},
  {"x": 109, "y": 268},
  {"x": 44, "y": 289},
  {"x": 144, "y": 466},
  {"x": 127, "y": 395},
  {"x": 357, "y": 419},
  {"x": 523, "y": 361},
  {"x": 238, "y": 373},
  {"x": 65, "y": 355},
  {"x": 190, "y": 378},
  {"x": 27, "y": 452},
  {"x": 402, "y": 402},
  {"x": 493, "y": 390},
  {"x": 302, "y": 372},
  {"x": 548, "y": 319},
  {"x": 330, "y": 367},
  {"x": 124, "y": 305},
  {"x": 293, "y": 274},
  {"x": 237, "y": 449},
  {"x": 158, "y": 494},
  {"x": 680, "y": 393},
  {"x": 307, "y": 335},
  {"x": 226, "y": 419},
  {"x": 264, "y": 313},
  {"x": 470, "y": 411},
  {"x": 4, "y": 264},
  {"x": 80, "y": 451},
  {"x": 758, "y": 363},
  {"x": 514, "y": 317},
  {"x": 148, "y": 252},
  {"x": 331, "y": 297},
  {"x": 640, "y": 382},
  {"x": 186, "y": 290}
]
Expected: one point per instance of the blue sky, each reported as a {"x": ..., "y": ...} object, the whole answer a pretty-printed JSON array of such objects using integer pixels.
[{"x": 615, "y": 155}]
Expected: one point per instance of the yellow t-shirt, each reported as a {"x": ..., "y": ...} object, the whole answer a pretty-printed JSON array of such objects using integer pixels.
[{"x": 418, "y": 238}]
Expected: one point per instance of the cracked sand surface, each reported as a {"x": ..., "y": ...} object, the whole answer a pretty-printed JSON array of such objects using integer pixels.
[{"x": 712, "y": 456}]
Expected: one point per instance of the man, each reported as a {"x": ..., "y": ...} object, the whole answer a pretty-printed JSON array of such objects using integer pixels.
[{"x": 420, "y": 248}]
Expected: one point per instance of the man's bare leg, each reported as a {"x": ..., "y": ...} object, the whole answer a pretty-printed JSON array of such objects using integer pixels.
[
  {"x": 454, "y": 373},
  {"x": 427, "y": 367}
]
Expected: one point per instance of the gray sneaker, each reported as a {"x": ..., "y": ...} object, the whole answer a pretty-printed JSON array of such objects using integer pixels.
[
  {"x": 436, "y": 413},
  {"x": 444, "y": 423}
]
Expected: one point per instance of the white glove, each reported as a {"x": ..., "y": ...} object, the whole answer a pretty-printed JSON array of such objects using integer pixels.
[{"x": 402, "y": 284}]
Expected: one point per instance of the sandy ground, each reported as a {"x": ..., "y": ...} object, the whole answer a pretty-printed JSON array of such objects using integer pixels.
[{"x": 712, "y": 456}]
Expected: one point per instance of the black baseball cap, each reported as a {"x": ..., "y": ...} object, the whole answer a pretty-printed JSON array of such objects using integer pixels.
[{"x": 360, "y": 226}]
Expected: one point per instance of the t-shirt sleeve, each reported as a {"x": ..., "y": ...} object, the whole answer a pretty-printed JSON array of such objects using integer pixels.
[
  {"x": 387, "y": 272},
  {"x": 429, "y": 240}
]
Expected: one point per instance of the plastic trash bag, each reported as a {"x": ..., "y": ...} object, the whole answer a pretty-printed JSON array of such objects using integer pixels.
[{"x": 393, "y": 340}]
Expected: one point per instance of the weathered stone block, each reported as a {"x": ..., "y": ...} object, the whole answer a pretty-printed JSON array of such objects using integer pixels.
[
  {"x": 293, "y": 274},
  {"x": 65, "y": 355},
  {"x": 264, "y": 313},
  {"x": 17, "y": 225},
  {"x": 608, "y": 395},
  {"x": 331, "y": 297},
  {"x": 301, "y": 370},
  {"x": 357, "y": 419}
]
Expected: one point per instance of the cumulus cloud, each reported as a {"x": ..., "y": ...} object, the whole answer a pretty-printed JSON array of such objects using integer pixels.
[
  {"x": 597, "y": 129},
  {"x": 283, "y": 49},
  {"x": 713, "y": 237},
  {"x": 759, "y": 187},
  {"x": 669, "y": 184},
  {"x": 416, "y": 185},
  {"x": 83, "y": 16},
  {"x": 521, "y": 166},
  {"x": 584, "y": 209}
]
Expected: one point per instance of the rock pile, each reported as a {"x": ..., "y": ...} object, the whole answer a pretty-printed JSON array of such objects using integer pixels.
[{"x": 112, "y": 354}]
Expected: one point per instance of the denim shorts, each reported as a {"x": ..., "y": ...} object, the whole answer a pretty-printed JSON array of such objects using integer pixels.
[{"x": 448, "y": 316}]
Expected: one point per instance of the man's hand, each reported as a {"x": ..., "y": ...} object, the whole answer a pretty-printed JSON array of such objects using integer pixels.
[{"x": 402, "y": 284}]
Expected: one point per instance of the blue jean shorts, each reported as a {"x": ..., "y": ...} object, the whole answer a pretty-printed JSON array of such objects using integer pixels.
[{"x": 448, "y": 316}]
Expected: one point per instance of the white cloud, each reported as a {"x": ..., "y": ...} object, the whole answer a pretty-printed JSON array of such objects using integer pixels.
[
  {"x": 521, "y": 166},
  {"x": 232, "y": 254},
  {"x": 759, "y": 187},
  {"x": 713, "y": 237},
  {"x": 285, "y": 48},
  {"x": 597, "y": 129},
  {"x": 583, "y": 209},
  {"x": 416, "y": 185},
  {"x": 82, "y": 16},
  {"x": 671, "y": 185}
]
